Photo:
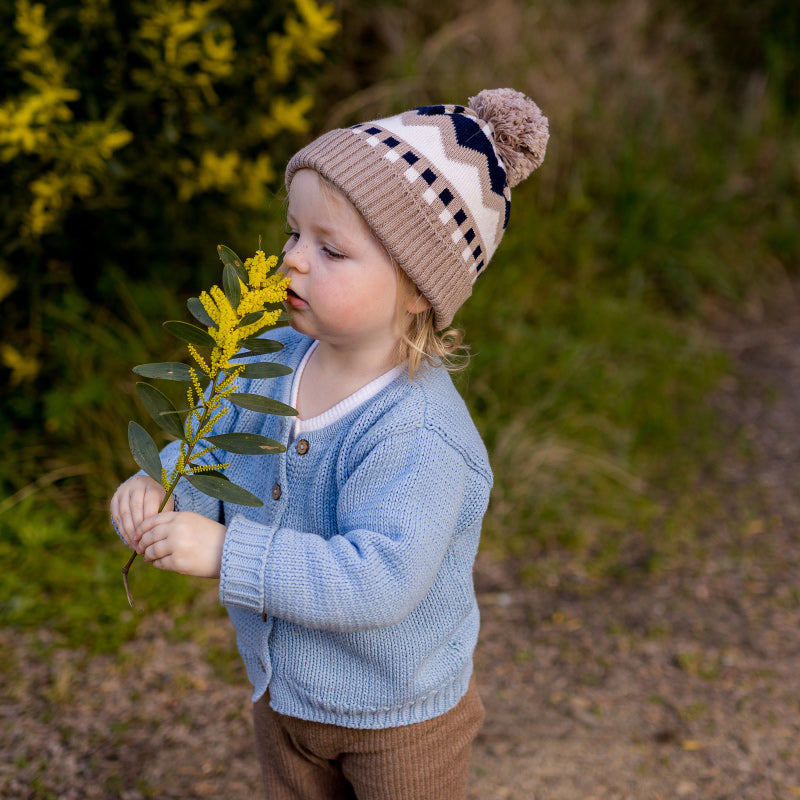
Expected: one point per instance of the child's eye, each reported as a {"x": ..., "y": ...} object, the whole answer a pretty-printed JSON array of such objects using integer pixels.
[
  {"x": 289, "y": 232},
  {"x": 331, "y": 253}
]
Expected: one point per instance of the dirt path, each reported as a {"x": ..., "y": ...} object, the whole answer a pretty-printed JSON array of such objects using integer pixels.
[
  {"x": 683, "y": 690},
  {"x": 682, "y": 686},
  {"x": 686, "y": 685}
]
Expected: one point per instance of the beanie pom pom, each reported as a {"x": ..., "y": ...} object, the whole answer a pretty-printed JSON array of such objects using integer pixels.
[{"x": 520, "y": 129}]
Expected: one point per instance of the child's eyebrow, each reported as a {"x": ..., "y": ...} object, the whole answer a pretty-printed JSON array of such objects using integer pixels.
[{"x": 331, "y": 232}]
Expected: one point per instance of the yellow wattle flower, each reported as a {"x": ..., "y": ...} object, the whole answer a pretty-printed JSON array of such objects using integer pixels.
[
  {"x": 261, "y": 289},
  {"x": 200, "y": 361},
  {"x": 271, "y": 293},
  {"x": 207, "y": 468},
  {"x": 210, "y": 306},
  {"x": 198, "y": 389},
  {"x": 227, "y": 332},
  {"x": 258, "y": 267}
]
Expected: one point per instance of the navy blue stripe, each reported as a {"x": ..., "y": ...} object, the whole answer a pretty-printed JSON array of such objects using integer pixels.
[{"x": 469, "y": 134}]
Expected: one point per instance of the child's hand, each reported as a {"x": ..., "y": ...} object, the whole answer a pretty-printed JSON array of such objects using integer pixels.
[
  {"x": 182, "y": 541},
  {"x": 134, "y": 501}
]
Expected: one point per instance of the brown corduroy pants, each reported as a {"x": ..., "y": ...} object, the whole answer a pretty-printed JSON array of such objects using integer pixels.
[{"x": 429, "y": 760}]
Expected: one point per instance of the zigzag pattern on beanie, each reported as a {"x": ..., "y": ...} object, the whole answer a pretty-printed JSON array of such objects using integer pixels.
[{"x": 446, "y": 154}]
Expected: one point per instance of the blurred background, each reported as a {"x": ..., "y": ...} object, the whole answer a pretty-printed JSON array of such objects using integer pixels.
[{"x": 135, "y": 136}]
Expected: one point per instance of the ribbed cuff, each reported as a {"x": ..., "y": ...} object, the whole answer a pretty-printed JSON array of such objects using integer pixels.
[{"x": 244, "y": 558}]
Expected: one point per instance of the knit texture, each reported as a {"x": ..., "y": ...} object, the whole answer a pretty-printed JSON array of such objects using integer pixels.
[
  {"x": 351, "y": 588},
  {"x": 433, "y": 185}
]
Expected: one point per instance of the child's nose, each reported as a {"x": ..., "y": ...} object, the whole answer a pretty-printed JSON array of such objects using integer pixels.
[{"x": 296, "y": 257}]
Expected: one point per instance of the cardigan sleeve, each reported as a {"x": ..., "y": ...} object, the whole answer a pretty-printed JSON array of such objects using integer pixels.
[{"x": 397, "y": 513}]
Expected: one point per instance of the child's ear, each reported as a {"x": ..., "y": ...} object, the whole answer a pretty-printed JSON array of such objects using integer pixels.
[{"x": 418, "y": 304}]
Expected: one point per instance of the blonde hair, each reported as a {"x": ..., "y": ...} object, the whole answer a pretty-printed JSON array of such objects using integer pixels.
[{"x": 420, "y": 343}]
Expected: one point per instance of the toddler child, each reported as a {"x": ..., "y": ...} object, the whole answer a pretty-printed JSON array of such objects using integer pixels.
[{"x": 351, "y": 589}]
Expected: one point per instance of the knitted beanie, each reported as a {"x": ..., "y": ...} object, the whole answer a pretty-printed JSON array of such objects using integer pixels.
[{"x": 434, "y": 184}]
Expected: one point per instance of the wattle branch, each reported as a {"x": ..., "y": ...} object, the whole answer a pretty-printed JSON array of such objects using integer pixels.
[{"x": 234, "y": 318}]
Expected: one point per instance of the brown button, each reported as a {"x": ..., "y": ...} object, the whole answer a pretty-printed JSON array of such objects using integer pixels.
[
  {"x": 276, "y": 492},
  {"x": 302, "y": 447}
]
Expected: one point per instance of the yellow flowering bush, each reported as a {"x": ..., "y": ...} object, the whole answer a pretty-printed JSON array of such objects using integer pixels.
[
  {"x": 234, "y": 317},
  {"x": 303, "y": 38},
  {"x": 133, "y": 137},
  {"x": 184, "y": 65},
  {"x": 134, "y": 121},
  {"x": 37, "y": 124}
]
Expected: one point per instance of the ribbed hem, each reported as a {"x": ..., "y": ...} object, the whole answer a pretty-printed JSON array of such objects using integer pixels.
[
  {"x": 244, "y": 559},
  {"x": 401, "y": 220},
  {"x": 291, "y": 700}
]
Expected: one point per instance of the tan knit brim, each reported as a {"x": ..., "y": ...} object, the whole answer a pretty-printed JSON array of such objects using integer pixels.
[{"x": 402, "y": 222}]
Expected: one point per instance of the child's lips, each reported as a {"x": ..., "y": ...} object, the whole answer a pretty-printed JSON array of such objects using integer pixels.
[{"x": 293, "y": 300}]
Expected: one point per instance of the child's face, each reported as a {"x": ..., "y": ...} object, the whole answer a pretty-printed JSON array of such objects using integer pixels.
[{"x": 343, "y": 288}]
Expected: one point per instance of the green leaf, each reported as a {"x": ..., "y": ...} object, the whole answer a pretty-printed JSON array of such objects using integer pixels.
[
  {"x": 231, "y": 286},
  {"x": 230, "y": 259},
  {"x": 144, "y": 450},
  {"x": 198, "y": 311},
  {"x": 264, "y": 369},
  {"x": 258, "y": 346},
  {"x": 264, "y": 405},
  {"x": 168, "y": 370},
  {"x": 189, "y": 333},
  {"x": 246, "y": 444},
  {"x": 249, "y": 319},
  {"x": 160, "y": 408},
  {"x": 223, "y": 489}
]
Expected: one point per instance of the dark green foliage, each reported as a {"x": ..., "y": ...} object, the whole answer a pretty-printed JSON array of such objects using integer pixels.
[
  {"x": 750, "y": 39},
  {"x": 249, "y": 444}
]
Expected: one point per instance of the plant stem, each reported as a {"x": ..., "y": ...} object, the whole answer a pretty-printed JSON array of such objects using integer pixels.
[
  {"x": 130, "y": 561},
  {"x": 192, "y": 444}
]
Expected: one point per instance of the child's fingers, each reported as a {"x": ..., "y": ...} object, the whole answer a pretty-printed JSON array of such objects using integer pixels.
[
  {"x": 132, "y": 511},
  {"x": 133, "y": 502},
  {"x": 156, "y": 551},
  {"x": 155, "y": 543},
  {"x": 122, "y": 515},
  {"x": 152, "y": 530},
  {"x": 151, "y": 500},
  {"x": 182, "y": 542}
]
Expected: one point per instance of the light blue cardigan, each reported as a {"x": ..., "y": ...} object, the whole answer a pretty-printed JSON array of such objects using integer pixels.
[{"x": 351, "y": 589}]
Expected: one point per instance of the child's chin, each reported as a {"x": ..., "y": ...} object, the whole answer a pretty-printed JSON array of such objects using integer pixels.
[{"x": 296, "y": 323}]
